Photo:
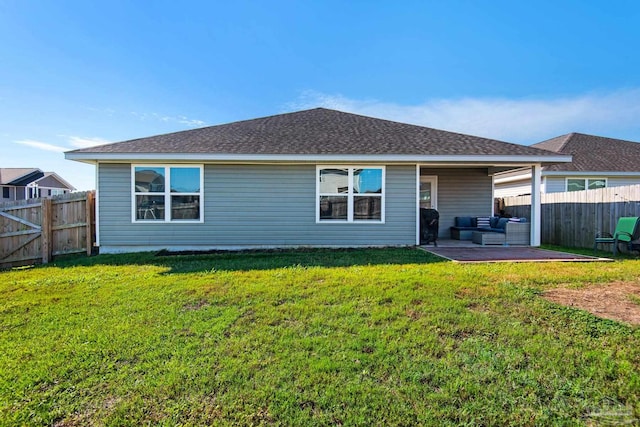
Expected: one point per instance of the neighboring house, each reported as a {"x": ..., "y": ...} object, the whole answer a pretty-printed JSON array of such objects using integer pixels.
[
  {"x": 310, "y": 178},
  {"x": 597, "y": 162},
  {"x": 31, "y": 183}
]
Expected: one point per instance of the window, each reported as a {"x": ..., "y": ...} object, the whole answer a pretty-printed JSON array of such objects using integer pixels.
[
  {"x": 167, "y": 193},
  {"x": 5, "y": 192},
  {"x": 578, "y": 184},
  {"x": 350, "y": 194}
]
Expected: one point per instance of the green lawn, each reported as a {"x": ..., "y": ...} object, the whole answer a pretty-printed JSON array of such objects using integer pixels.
[{"x": 316, "y": 337}]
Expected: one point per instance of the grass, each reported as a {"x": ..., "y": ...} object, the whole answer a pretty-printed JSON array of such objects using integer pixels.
[{"x": 316, "y": 337}]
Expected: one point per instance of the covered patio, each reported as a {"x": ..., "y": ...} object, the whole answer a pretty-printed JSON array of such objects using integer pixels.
[{"x": 467, "y": 252}]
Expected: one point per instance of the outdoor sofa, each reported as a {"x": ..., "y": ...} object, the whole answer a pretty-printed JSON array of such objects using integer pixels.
[{"x": 492, "y": 230}]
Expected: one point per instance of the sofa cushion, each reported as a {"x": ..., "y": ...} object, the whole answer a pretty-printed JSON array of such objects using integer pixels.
[
  {"x": 493, "y": 221},
  {"x": 483, "y": 222},
  {"x": 502, "y": 223},
  {"x": 464, "y": 221}
]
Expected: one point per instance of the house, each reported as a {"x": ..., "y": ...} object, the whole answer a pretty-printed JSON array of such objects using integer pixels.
[
  {"x": 597, "y": 162},
  {"x": 31, "y": 183},
  {"x": 318, "y": 177}
]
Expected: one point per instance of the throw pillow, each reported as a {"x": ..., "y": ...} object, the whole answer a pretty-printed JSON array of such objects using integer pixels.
[
  {"x": 483, "y": 222},
  {"x": 502, "y": 223}
]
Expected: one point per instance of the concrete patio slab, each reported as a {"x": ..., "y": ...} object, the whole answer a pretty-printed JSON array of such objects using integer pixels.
[{"x": 507, "y": 254}]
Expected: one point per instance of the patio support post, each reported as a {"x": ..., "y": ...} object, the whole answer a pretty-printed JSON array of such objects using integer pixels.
[{"x": 535, "y": 204}]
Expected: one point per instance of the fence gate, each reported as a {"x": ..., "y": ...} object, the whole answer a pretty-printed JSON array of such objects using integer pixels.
[
  {"x": 35, "y": 230},
  {"x": 20, "y": 233}
]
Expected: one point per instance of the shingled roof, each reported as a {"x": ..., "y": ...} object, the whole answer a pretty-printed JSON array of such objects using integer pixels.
[
  {"x": 317, "y": 131},
  {"x": 593, "y": 153},
  {"x": 14, "y": 176}
]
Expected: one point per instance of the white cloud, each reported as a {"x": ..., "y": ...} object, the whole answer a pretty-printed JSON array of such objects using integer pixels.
[
  {"x": 183, "y": 120},
  {"x": 517, "y": 120},
  {"x": 82, "y": 142},
  {"x": 190, "y": 122},
  {"x": 74, "y": 141},
  {"x": 42, "y": 145}
]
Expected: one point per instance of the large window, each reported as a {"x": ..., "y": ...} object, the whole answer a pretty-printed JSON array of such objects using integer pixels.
[
  {"x": 167, "y": 193},
  {"x": 578, "y": 184},
  {"x": 350, "y": 194}
]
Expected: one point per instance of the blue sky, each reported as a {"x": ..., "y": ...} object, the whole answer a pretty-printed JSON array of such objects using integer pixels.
[{"x": 77, "y": 73}]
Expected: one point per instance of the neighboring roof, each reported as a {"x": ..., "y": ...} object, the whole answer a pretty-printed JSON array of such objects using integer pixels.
[
  {"x": 21, "y": 177},
  {"x": 593, "y": 153},
  {"x": 13, "y": 176},
  {"x": 317, "y": 132},
  {"x": 56, "y": 177}
]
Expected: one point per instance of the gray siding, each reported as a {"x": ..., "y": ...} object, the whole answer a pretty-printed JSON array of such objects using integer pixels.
[
  {"x": 51, "y": 182},
  {"x": 12, "y": 192},
  {"x": 461, "y": 192},
  {"x": 555, "y": 184},
  {"x": 254, "y": 206}
]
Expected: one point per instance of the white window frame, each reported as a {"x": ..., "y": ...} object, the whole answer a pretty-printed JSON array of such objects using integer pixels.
[
  {"x": 586, "y": 180},
  {"x": 350, "y": 195},
  {"x": 167, "y": 194}
]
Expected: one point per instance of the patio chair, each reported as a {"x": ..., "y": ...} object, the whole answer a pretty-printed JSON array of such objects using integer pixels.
[{"x": 626, "y": 231}]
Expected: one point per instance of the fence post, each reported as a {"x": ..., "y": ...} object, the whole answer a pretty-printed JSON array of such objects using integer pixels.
[
  {"x": 46, "y": 243},
  {"x": 89, "y": 219}
]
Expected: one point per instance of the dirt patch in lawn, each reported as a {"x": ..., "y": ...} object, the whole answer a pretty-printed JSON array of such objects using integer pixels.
[{"x": 618, "y": 301}]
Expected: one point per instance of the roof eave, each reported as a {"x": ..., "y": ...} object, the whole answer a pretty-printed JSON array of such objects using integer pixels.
[
  {"x": 591, "y": 173},
  {"x": 310, "y": 158}
]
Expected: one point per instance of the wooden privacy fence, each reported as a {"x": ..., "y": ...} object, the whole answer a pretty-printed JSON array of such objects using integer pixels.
[
  {"x": 36, "y": 230},
  {"x": 573, "y": 218}
]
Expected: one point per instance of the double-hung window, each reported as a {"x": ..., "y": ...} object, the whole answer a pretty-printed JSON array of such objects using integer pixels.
[
  {"x": 167, "y": 193},
  {"x": 578, "y": 184},
  {"x": 350, "y": 194}
]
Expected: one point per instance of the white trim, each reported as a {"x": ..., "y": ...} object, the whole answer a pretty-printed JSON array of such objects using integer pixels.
[
  {"x": 97, "y": 204},
  {"x": 338, "y": 158},
  {"x": 167, "y": 194},
  {"x": 493, "y": 195},
  {"x": 586, "y": 180},
  {"x": 434, "y": 189},
  {"x": 350, "y": 194},
  {"x": 117, "y": 249},
  {"x": 515, "y": 178},
  {"x": 590, "y": 174},
  {"x": 417, "y": 205},
  {"x": 433, "y": 179},
  {"x": 536, "y": 207}
]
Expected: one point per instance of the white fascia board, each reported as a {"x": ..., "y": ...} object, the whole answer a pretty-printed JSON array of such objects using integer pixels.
[
  {"x": 514, "y": 178},
  {"x": 589, "y": 173},
  {"x": 281, "y": 158}
]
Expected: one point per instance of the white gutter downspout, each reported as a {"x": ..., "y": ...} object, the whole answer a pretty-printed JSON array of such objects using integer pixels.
[
  {"x": 535, "y": 204},
  {"x": 97, "y": 204},
  {"x": 417, "y": 205}
]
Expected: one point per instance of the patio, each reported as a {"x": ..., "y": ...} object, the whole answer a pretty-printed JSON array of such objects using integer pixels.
[{"x": 465, "y": 251}]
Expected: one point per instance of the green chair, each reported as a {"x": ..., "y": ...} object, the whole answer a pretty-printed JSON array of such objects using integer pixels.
[{"x": 626, "y": 231}]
